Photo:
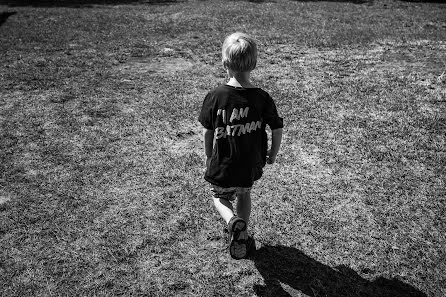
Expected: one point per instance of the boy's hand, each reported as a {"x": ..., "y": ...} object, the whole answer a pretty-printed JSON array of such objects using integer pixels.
[{"x": 270, "y": 158}]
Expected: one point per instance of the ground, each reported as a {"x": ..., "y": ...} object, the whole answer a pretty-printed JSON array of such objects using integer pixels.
[{"x": 101, "y": 160}]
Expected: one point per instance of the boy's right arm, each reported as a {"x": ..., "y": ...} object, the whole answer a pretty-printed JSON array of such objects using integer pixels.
[
  {"x": 275, "y": 145},
  {"x": 208, "y": 136}
]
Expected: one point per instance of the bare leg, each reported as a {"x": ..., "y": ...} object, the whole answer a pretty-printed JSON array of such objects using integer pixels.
[
  {"x": 224, "y": 208},
  {"x": 244, "y": 206}
]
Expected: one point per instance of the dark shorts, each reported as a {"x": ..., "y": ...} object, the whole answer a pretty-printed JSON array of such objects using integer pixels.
[{"x": 228, "y": 193}]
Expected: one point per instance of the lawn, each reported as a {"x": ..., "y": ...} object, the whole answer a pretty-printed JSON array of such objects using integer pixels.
[{"x": 101, "y": 158}]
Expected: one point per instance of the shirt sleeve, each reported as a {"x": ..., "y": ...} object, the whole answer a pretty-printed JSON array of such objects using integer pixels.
[
  {"x": 205, "y": 117},
  {"x": 271, "y": 116}
]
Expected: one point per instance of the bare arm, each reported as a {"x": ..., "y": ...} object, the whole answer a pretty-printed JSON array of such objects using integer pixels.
[
  {"x": 208, "y": 136},
  {"x": 275, "y": 145}
]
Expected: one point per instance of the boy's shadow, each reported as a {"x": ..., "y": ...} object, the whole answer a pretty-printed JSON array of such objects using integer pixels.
[
  {"x": 286, "y": 271},
  {"x": 5, "y": 15}
]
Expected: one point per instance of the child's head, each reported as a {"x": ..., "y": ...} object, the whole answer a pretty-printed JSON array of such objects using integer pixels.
[{"x": 239, "y": 53}]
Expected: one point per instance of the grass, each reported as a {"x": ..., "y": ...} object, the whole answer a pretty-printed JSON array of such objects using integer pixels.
[{"x": 101, "y": 189}]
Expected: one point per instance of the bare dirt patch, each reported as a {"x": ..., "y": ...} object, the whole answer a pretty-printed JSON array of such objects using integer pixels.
[
  {"x": 158, "y": 66},
  {"x": 187, "y": 140},
  {"x": 5, "y": 197}
]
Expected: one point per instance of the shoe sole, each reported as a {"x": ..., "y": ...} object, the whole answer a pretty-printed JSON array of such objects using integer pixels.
[{"x": 238, "y": 248}]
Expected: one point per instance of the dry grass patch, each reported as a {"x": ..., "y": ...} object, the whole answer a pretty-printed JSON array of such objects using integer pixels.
[{"x": 101, "y": 164}]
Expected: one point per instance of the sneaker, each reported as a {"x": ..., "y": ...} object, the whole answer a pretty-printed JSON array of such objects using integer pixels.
[{"x": 238, "y": 248}]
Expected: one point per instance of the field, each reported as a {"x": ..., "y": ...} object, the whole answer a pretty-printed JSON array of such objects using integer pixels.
[{"x": 101, "y": 157}]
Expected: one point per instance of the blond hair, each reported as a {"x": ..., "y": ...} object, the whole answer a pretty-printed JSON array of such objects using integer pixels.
[{"x": 239, "y": 52}]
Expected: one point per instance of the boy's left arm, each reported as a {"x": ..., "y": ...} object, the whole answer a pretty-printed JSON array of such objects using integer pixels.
[{"x": 208, "y": 136}]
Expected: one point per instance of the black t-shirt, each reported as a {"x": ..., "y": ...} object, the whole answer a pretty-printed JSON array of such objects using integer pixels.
[{"x": 238, "y": 118}]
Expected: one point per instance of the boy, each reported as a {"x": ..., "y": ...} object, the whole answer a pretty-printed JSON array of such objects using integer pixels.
[{"x": 234, "y": 117}]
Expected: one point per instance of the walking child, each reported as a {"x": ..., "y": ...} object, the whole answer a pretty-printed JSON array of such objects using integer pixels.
[{"x": 234, "y": 116}]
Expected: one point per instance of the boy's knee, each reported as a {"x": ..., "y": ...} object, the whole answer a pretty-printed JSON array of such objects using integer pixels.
[{"x": 243, "y": 193}]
